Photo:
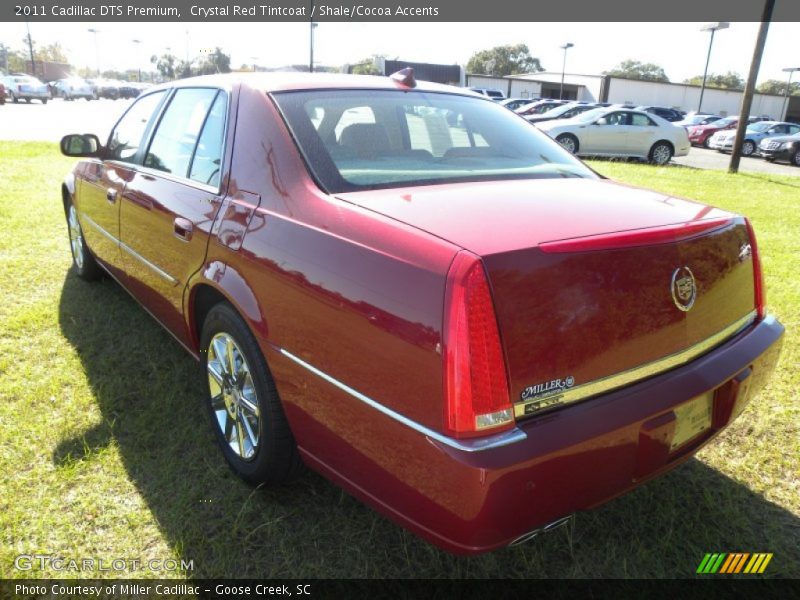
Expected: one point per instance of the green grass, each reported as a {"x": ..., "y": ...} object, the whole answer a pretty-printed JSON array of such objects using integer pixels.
[{"x": 105, "y": 451}]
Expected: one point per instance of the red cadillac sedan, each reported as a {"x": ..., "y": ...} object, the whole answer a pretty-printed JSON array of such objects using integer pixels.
[{"x": 407, "y": 288}]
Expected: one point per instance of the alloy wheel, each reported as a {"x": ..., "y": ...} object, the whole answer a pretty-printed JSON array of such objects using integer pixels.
[
  {"x": 661, "y": 154},
  {"x": 75, "y": 237},
  {"x": 233, "y": 396},
  {"x": 568, "y": 143}
]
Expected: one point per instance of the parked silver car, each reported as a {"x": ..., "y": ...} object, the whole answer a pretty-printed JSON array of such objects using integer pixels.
[
  {"x": 619, "y": 132},
  {"x": 73, "y": 87},
  {"x": 24, "y": 87},
  {"x": 755, "y": 132}
]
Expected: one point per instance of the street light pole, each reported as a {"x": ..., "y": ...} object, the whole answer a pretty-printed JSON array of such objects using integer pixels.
[
  {"x": 96, "y": 51},
  {"x": 138, "y": 62},
  {"x": 784, "y": 106},
  {"x": 713, "y": 28},
  {"x": 565, "y": 47}
]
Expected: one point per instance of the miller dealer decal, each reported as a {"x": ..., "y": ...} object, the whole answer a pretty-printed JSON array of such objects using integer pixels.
[{"x": 545, "y": 394}]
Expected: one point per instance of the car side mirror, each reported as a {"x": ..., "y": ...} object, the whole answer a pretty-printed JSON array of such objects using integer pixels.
[
  {"x": 80, "y": 145},
  {"x": 601, "y": 121}
]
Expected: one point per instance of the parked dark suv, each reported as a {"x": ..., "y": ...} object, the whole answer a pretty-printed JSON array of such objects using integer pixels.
[{"x": 670, "y": 114}]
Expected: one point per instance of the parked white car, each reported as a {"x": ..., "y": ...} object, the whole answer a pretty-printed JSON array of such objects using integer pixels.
[
  {"x": 613, "y": 131},
  {"x": 24, "y": 87},
  {"x": 755, "y": 132}
]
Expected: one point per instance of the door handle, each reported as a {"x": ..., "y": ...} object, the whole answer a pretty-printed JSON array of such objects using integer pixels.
[
  {"x": 111, "y": 195},
  {"x": 182, "y": 229}
]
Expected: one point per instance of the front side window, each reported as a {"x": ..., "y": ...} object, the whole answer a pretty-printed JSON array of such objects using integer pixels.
[
  {"x": 176, "y": 136},
  {"x": 127, "y": 135},
  {"x": 414, "y": 138}
]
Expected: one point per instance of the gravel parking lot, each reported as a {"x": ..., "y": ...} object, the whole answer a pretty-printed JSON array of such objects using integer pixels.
[{"x": 50, "y": 122}]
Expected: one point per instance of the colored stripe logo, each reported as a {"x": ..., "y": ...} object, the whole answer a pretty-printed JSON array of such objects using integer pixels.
[{"x": 734, "y": 562}]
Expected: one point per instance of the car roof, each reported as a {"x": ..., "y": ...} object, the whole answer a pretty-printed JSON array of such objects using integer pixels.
[{"x": 296, "y": 81}]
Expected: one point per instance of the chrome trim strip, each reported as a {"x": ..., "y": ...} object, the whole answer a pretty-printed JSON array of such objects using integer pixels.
[
  {"x": 130, "y": 251},
  {"x": 606, "y": 384},
  {"x": 469, "y": 445}
]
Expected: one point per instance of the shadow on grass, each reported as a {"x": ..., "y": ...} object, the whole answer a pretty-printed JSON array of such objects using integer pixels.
[{"x": 150, "y": 395}]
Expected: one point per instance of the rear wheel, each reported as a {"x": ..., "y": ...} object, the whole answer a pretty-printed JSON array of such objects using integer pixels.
[
  {"x": 242, "y": 401},
  {"x": 44, "y": 100},
  {"x": 85, "y": 264},
  {"x": 661, "y": 153},
  {"x": 748, "y": 148},
  {"x": 14, "y": 98},
  {"x": 569, "y": 142}
]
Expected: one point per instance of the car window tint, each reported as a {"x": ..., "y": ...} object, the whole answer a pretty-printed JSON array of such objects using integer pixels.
[
  {"x": 437, "y": 130},
  {"x": 208, "y": 155},
  {"x": 176, "y": 135},
  {"x": 794, "y": 129},
  {"x": 127, "y": 135},
  {"x": 411, "y": 138},
  {"x": 641, "y": 121},
  {"x": 353, "y": 116},
  {"x": 617, "y": 118}
]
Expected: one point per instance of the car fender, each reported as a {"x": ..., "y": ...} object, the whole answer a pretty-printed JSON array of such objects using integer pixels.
[
  {"x": 225, "y": 279},
  {"x": 69, "y": 183}
]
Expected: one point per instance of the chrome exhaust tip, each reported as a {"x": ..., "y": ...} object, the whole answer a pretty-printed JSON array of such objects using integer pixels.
[{"x": 552, "y": 526}]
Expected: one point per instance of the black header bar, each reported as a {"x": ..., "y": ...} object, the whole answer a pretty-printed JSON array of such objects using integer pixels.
[{"x": 395, "y": 10}]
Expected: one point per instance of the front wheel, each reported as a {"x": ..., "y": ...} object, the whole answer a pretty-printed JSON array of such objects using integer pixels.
[
  {"x": 748, "y": 148},
  {"x": 85, "y": 264},
  {"x": 242, "y": 401},
  {"x": 569, "y": 142},
  {"x": 707, "y": 142},
  {"x": 796, "y": 158},
  {"x": 660, "y": 153},
  {"x": 44, "y": 100}
]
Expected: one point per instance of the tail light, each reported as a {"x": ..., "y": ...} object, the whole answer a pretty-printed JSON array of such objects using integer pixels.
[
  {"x": 758, "y": 274},
  {"x": 475, "y": 382}
]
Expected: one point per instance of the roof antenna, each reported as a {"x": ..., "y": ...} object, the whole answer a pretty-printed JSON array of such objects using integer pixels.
[{"x": 404, "y": 77}]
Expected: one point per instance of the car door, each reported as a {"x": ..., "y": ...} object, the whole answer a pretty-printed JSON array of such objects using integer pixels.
[
  {"x": 169, "y": 205},
  {"x": 104, "y": 180},
  {"x": 642, "y": 132},
  {"x": 607, "y": 135}
]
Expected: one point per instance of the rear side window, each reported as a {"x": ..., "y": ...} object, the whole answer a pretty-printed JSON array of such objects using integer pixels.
[
  {"x": 127, "y": 135},
  {"x": 641, "y": 121},
  {"x": 208, "y": 155},
  {"x": 177, "y": 134}
]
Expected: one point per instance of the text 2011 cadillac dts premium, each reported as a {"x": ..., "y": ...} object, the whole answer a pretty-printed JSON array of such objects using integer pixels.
[{"x": 414, "y": 292}]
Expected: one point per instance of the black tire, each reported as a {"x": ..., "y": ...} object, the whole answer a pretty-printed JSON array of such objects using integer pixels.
[
  {"x": 44, "y": 100},
  {"x": 706, "y": 141},
  {"x": 748, "y": 148},
  {"x": 569, "y": 142},
  {"x": 83, "y": 261},
  {"x": 795, "y": 159},
  {"x": 28, "y": 100},
  {"x": 14, "y": 99},
  {"x": 661, "y": 153},
  {"x": 275, "y": 458}
]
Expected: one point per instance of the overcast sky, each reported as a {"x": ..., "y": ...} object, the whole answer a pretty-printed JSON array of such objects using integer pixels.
[{"x": 680, "y": 48}]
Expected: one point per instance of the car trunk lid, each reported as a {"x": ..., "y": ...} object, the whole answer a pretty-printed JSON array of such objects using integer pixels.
[{"x": 595, "y": 284}]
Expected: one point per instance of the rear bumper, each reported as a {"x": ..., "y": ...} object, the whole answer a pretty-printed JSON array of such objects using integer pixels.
[{"x": 571, "y": 459}]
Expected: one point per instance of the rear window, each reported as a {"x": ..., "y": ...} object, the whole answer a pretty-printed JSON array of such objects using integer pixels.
[{"x": 357, "y": 140}]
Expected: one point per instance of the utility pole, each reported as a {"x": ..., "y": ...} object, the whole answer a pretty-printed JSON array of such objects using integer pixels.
[
  {"x": 749, "y": 88},
  {"x": 30, "y": 47}
]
